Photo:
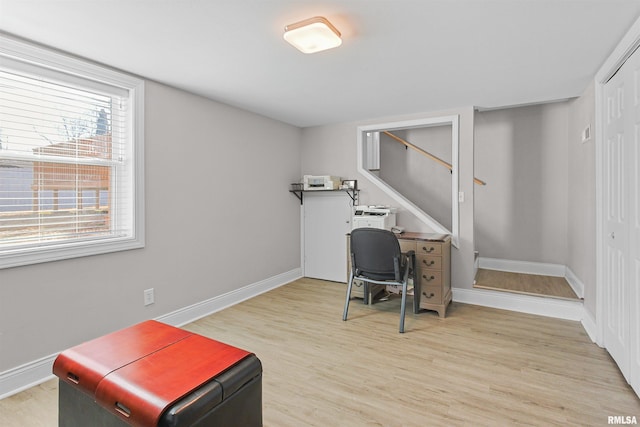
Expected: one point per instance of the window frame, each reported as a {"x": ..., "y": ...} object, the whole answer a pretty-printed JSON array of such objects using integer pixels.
[{"x": 13, "y": 50}]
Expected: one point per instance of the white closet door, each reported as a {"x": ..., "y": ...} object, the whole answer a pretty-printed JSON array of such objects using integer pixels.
[
  {"x": 633, "y": 129},
  {"x": 622, "y": 219},
  {"x": 616, "y": 322},
  {"x": 327, "y": 220}
]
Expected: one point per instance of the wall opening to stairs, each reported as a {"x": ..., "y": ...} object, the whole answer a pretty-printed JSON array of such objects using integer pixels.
[{"x": 416, "y": 163}]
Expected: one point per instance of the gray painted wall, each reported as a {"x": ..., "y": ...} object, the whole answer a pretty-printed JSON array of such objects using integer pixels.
[
  {"x": 521, "y": 214},
  {"x": 231, "y": 169},
  {"x": 581, "y": 213},
  {"x": 423, "y": 181}
]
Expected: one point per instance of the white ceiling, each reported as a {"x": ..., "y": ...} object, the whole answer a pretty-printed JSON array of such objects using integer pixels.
[{"x": 397, "y": 57}]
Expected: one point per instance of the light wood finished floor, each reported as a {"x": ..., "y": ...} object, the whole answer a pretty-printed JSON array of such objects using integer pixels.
[
  {"x": 476, "y": 367},
  {"x": 528, "y": 284}
]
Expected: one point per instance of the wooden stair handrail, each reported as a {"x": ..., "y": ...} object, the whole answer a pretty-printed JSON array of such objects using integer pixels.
[{"x": 427, "y": 154}]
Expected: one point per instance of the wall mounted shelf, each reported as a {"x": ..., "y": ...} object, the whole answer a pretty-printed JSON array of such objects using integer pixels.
[{"x": 351, "y": 192}]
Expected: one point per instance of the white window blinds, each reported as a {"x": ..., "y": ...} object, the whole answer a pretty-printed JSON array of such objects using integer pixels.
[{"x": 67, "y": 162}]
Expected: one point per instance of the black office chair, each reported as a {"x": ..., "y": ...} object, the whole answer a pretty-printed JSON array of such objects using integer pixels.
[{"x": 376, "y": 258}]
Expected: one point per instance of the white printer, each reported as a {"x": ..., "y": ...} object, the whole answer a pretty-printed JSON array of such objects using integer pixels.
[{"x": 382, "y": 217}]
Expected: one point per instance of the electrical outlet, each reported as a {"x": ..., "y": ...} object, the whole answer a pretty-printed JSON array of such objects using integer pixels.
[{"x": 149, "y": 298}]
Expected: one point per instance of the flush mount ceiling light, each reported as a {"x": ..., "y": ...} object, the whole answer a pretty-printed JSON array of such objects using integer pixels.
[{"x": 312, "y": 35}]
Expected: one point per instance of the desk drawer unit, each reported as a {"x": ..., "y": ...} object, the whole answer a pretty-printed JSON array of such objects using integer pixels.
[
  {"x": 428, "y": 248},
  {"x": 431, "y": 277},
  {"x": 430, "y": 295},
  {"x": 431, "y": 262},
  {"x": 433, "y": 265}
]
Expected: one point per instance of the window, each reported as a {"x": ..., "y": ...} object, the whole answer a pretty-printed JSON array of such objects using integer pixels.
[{"x": 71, "y": 157}]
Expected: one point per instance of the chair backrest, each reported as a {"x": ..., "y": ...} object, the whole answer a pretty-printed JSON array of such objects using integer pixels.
[{"x": 375, "y": 253}]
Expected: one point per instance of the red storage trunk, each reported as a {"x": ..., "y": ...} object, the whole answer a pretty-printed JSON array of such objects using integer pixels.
[{"x": 153, "y": 374}]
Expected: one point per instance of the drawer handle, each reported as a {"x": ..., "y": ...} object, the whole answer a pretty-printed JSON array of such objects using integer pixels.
[
  {"x": 428, "y": 279},
  {"x": 431, "y": 295},
  {"x": 431, "y": 249},
  {"x": 123, "y": 410},
  {"x": 428, "y": 264},
  {"x": 73, "y": 378}
]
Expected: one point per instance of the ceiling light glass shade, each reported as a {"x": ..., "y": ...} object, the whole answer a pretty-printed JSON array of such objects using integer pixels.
[{"x": 312, "y": 35}]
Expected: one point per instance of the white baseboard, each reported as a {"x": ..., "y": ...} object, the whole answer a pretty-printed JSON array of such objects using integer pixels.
[
  {"x": 26, "y": 376},
  {"x": 201, "y": 309},
  {"x": 550, "y": 307},
  {"x": 589, "y": 325},
  {"x": 541, "y": 268},
  {"x": 33, "y": 373},
  {"x": 526, "y": 267},
  {"x": 575, "y": 283}
]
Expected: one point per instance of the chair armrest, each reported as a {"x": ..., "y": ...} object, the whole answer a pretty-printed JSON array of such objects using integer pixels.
[{"x": 410, "y": 255}]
